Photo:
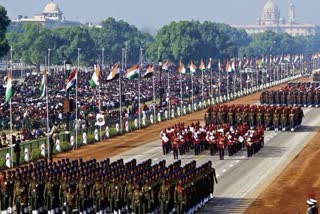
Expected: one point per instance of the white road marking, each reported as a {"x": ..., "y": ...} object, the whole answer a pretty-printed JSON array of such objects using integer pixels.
[
  {"x": 231, "y": 165},
  {"x": 224, "y": 170},
  {"x": 155, "y": 159},
  {"x": 243, "y": 157},
  {"x": 218, "y": 175},
  {"x": 237, "y": 161}
]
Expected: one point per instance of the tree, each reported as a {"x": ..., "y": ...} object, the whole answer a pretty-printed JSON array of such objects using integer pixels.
[
  {"x": 112, "y": 37},
  {"x": 67, "y": 42},
  {"x": 4, "y": 23}
]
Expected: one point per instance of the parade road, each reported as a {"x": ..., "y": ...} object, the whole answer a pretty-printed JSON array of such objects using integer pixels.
[{"x": 241, "y": 179}]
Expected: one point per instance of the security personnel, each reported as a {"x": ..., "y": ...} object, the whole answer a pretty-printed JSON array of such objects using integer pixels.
[
  {"x": 179, "y": 198},
  {"x": 49, "y": 194},
  {"x": 3, "y": 193}
]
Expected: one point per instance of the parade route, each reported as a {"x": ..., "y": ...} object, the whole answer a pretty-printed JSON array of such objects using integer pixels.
[{"x": 241, "y": 179}]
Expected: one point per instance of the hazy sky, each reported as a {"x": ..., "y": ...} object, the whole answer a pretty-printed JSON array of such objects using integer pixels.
[{"x": 154, "y": 14}]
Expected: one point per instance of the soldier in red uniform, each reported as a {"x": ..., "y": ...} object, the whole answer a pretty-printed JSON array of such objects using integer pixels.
[
  {"x": 221, "y": 144},
  {"x": 175, "y": 147}
]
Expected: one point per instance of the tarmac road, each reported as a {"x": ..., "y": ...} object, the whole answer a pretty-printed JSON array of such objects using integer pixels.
[{"x": 241, "y": 179}]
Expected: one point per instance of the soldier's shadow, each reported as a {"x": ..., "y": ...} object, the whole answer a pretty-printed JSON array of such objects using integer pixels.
[
  {"x": 305, "y": 128},
  {"x": 221, "y": 205},
  {"x": 270, "y": 152}
]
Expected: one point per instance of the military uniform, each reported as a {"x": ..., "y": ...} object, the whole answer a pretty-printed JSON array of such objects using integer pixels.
[
  {"x": 164, "y": 198},
  {"x": 179, "y": 198}
]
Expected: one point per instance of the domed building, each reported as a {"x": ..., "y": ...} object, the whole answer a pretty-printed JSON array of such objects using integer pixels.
[
  {"x": 271, "y": 19},
  {"x": 51, "y": 17}
]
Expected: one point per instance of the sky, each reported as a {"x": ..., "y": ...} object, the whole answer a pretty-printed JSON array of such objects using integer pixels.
[{"x": 151, "y": 14}]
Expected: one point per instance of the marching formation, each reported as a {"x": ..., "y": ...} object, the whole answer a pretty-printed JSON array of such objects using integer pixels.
[
  {"x": 215, "y": 138},
  {"x": 296, "y": 93},
  {"x": 267, "y": 116},
  {"x": 106, "y": 187}
]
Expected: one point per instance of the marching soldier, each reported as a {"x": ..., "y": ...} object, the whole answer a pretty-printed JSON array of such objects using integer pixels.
[
  {"x": 221, "y": 144},
  {"x": 49, "y": 194},
  {"x": 164, "y": 197},
  {"x": 20, "y": 196},
  {"x": 33, "y": 193},
  {"x": 136, "y": 200},
  {"x": 179, "y": 198},
  {"x": 71, "y": 201},
  {"x": 3, "y": 193},
  {"x": 175, "y": 146},
  {"x": 113, "y": 195},
  {"x": 148, "y": 195},
  {"x": 97, "y": 194},
  {"x": 128, "y": 194}
]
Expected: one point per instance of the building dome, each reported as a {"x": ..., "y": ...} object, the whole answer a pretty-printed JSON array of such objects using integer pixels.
[
  {"x": 270, "y": 7},
  {"x": 270, "y": 14},
  {"x": 51, "y": 8}
]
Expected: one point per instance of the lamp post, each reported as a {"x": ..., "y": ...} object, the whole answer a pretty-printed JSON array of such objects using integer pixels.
[{"x": 161, "y": 91}]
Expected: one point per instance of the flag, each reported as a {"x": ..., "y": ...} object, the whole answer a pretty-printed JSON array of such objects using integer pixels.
[
  {"x": 132, "y": 72},
  {"x": 202, "y": 66},
  {"x": 114, "y": 72},
  {"x": 209, "y": 64},
  {"x": 193, "y": 68},
  {"x": 228, "y": 67},
  {"x": 165, "y": 65},
  {"x": 9, "y": 88},
  {"x": 95, "y": 76},
  {"x": 219, "y": 66},
  {"x": 246, "y": 63},
  {"x": 149, "y": 72},
  {"x": 71, "y": 81},
  {"x": 43, "y": 86},
  {"x": 233, "y": 65},
  {"x": 181, "y": 68}
]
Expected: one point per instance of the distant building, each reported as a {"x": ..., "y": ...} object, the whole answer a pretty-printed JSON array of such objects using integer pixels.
[
  {"x": 51, "y": 17},
  {"x": 271, "y": 20}
]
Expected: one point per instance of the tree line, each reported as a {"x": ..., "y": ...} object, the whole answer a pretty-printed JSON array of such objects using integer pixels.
[{"x": 183, "y": 40}]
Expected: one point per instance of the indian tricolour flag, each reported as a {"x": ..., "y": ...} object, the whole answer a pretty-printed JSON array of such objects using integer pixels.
[
  {"x": 149, "y": 72},
  {"x": 94, "y": 82},
  {"x": 193, "y": 68},
  {"x": 9, "y": 88},
  {"x": 181, "y": 68},
  {"x": 43, "y": 86},
  {"x": 133, "y": 72},
  {"x": 202, "y": 66},
  {"x": 71, "y": 81},
  {"x": 228, "y": 67},
  {"x": 209, "y": 64},
  {"x": 114, "y": 72}
]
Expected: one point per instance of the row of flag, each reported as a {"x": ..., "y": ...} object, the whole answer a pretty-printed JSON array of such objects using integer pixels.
[{"x": 134, "y": 71}]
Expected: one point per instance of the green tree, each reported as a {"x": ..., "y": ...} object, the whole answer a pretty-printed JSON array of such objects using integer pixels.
[
  {"x": 4, "y": 23},
  {"x": 114, "y": 35},
  {"x": 67, "y": 42}
]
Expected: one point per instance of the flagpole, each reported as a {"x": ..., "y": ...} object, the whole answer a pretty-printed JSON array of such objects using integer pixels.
[
  {"x": 210, "y": 79},
  {"x": 219, "y": 68},
  {"x": 139, "y": 100},
  {"x": 47, "y": 105},
  {"x": 181, "y": 92},
  {"x": 120, "y": 87},
  {"x": 77, "y": 99},
  {"x": 234, "y": 80},
  {"x": 169, "y": 93},
  {"x": 154, "y": 96},
  {"x": 11, "y": 132},
  {"x": 125, "y": 54},
  {"x": 192, "y": 101},
  {"x": 202, "y": 91}
]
